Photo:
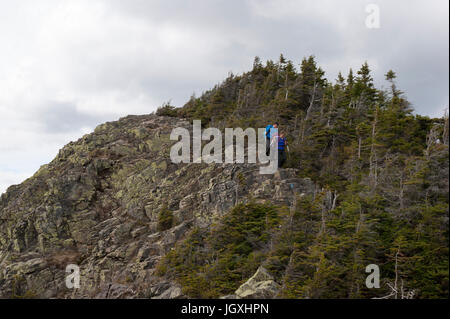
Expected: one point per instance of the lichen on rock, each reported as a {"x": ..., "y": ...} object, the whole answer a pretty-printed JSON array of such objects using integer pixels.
[{"x": 99, "y": 200}]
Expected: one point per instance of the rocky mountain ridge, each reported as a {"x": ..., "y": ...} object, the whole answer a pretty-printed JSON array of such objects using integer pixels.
[{"x": 98, "y": 204}]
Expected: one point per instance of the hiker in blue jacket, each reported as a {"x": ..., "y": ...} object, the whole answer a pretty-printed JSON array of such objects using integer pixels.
[
  {"x": 271, "y": 130},
  {"x": 282, "y": 145}
]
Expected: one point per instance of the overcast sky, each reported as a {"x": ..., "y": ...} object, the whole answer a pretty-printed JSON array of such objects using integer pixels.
[{"x": 67, "y": 66}]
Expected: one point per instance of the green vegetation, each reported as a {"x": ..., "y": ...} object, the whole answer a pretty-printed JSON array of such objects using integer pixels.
[
  {"x": 167, "y": 110},
  {"x": 386, "y": 168},
  {"x": 209, "y": 264},
  {"x": 165, "y": 219}
]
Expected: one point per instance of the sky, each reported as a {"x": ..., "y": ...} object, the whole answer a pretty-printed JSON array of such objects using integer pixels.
[{"x": 67, "y": 66}]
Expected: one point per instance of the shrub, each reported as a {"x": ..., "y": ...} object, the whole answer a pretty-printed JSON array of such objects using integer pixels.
[
  {"x": 165, "y": 219},
  {"x": 167, "y": 110},
  {"x": 209, "y": 264}
]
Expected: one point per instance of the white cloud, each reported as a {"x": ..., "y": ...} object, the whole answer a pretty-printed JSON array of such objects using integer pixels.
[{"x": 10, "y": 178}]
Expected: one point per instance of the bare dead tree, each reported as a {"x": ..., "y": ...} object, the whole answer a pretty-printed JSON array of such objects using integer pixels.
[
  {"x": 372, "y": 159},
  {"x": 323, "y": 220},
  {"x": 431, "y": 139},
  {"x": 308, "y": 112},
  {"x": 401, "y": 191},
  {"x": 395, "y": 291},
  {"x": 311, "y": 103},
  {"x": 359, "y": 146},
  {"x": 332, "y": 107},
  {"x": 336, "y": 195},
  {"x": 286, "y": 86},
  {"x": 445, "y": 130}
]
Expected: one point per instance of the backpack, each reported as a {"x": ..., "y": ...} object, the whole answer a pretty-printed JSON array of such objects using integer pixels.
[
  {"x": 281, "y": 143},
  {"x": 268, "y": 127}
]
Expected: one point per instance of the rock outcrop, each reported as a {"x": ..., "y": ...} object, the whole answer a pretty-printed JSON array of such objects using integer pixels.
[
  {"x": 260, "y": 286},
  {"x": 97, "y": 205}
]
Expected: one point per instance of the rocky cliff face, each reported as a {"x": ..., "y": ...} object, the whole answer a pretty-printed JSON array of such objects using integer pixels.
[{"x": 96, "y": 205}]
